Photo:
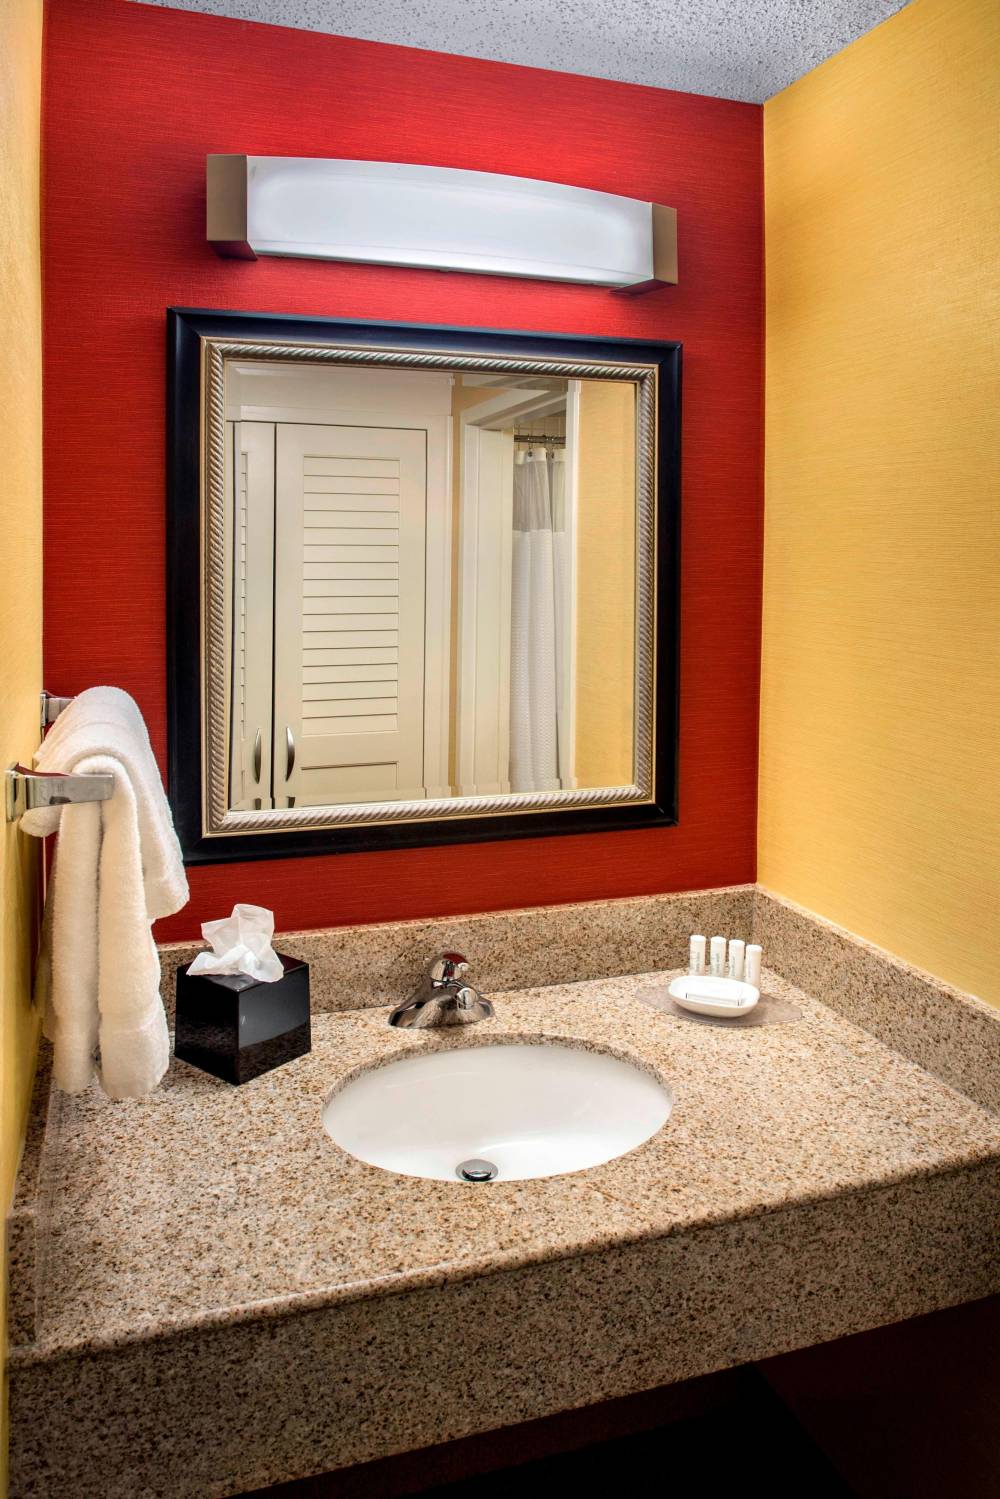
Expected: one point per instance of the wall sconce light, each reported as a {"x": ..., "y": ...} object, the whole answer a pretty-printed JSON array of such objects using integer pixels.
[{"x": 386, "y": 213}]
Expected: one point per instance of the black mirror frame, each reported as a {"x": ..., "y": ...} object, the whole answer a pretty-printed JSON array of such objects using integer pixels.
[{"x": 186, "y": 327}]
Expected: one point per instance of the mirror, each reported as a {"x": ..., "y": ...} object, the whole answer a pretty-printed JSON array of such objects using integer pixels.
[{"x": 433, "y": 574}]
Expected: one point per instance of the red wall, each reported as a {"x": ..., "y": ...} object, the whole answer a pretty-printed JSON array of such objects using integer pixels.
[{"x": 135, "y": 97}]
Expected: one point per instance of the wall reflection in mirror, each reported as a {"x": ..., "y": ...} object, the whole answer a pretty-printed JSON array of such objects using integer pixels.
[{"x": 431, "y": 583}]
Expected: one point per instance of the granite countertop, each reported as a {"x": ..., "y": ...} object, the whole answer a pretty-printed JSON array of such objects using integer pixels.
[{"x": 208, "y": 1204}]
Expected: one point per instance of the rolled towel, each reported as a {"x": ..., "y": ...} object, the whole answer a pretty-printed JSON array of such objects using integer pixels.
[{"x": 107, "y": 721}]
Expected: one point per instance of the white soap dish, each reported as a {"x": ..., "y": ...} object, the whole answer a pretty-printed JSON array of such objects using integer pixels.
[{"x": 706, "y": 995}]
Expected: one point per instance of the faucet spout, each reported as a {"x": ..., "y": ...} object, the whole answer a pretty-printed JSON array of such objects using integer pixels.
[{"x": 442, "y": 998}]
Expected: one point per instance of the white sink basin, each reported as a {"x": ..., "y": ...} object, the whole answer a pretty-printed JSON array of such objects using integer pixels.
[{"x": 525, "y": 1110}]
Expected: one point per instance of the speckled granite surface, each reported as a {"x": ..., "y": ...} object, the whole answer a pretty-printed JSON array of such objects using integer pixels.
[
  {"x": 954, "y": 1035},
  {"x": 356, "y": 966},
  {"x": 24, "y": 1228},
  {"x": 227, "y": 1300}
]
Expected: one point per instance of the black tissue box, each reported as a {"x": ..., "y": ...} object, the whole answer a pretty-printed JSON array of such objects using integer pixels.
[{"x": 235, "y": 1027}]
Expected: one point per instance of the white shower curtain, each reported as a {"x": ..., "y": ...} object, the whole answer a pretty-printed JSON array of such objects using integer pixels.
[{"x": 537, "y": 664}]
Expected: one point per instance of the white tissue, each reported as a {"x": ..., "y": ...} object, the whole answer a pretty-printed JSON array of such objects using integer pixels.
[{"x": 241, "y": 943}]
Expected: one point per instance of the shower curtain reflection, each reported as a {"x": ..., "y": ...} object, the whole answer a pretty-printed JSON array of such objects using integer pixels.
[{"x": 539, "y": 748}]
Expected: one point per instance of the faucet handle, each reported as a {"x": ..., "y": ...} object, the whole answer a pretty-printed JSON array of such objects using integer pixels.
[{"x": 450, "y": 967}]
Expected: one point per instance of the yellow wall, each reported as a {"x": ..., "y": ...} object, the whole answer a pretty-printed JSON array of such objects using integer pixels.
[
  {"x": 880, "y": 731},
  {"x": 21, "y": 591},
  {"x": 605, "y": 556}
]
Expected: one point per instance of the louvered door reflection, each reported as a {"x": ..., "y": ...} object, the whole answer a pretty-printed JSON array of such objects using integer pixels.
[{"x": 350, "y": 539}]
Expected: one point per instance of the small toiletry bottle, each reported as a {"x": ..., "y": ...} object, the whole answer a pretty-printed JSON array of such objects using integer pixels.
[
  {"x": 751, "y": 965},
  {"x": 734, "y": 968},
  {"x": 696, "y": 954},
  {"x": 717, "y": 956}
]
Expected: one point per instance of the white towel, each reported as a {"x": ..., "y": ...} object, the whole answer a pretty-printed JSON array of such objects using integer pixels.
[{"x": 117, "y": 869}]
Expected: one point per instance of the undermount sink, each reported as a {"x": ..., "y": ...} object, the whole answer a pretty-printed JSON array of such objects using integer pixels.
[{"x": 505, "y": 1112}]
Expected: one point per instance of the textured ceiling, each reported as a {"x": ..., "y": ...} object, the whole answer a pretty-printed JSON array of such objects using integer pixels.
[{"x": 734, "y": 49}]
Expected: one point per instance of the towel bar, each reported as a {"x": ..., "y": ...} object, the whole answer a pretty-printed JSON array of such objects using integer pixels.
[{"x": 27, "y": 790}]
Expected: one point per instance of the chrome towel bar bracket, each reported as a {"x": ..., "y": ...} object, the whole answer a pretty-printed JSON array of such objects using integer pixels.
[
  {"x": 27, "y": 790},
  {"x": 51, "y": 707}
]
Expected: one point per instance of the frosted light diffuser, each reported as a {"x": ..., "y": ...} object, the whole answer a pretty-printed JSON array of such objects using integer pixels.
[{"x": 385, "y": 213}]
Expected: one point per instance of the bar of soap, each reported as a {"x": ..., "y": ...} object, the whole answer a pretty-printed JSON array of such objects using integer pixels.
[{"x": 706, "y": 995}]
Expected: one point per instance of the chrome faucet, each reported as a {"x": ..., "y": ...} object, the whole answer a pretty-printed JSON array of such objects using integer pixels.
[{"x": 443, "y": 998}]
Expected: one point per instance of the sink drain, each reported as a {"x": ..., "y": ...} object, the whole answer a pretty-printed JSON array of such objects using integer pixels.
[{"x": 476, "y": 1171}]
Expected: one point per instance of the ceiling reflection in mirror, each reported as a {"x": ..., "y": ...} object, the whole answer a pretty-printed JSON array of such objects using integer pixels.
[{"x": 430, "y": 584}]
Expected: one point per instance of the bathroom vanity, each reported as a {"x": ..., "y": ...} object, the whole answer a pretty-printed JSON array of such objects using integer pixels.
[{"x": 210, "y": 1296}]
